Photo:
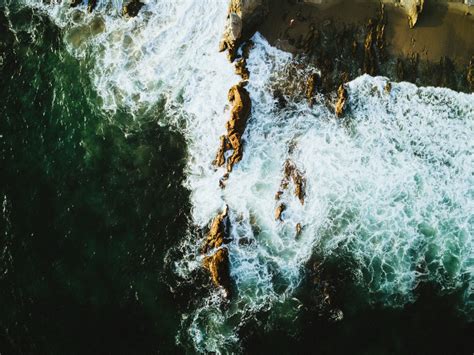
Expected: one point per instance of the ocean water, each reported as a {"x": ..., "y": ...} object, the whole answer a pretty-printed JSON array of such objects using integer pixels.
[{"x": 109, "y": 129}]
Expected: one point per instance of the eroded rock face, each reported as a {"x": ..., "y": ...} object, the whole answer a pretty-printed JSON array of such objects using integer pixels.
[
  {"x": 243, "y": 17},
  {"x": 132, "y": 8},
  {"x": 413, "y": 9},
  {"x": 218, "y": 261},
  {"x": 341, "y": 100},
  {"x": 241, "y": 105}
]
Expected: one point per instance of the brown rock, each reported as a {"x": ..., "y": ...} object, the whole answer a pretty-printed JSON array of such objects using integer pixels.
[
  {"x": 243, "y": 17},
  {"x": 298, "y": 228},
  {"x": 341, "y": 100},
  {"x": 279, "y": 210},
  {"x": 240, "y": 100},
  {"x": 218, "y": 262},
  {"x": 224, "y": 146}
]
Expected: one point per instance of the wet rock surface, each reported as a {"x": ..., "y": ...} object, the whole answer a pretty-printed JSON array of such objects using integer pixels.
[
  {"x": 217, "y": 255},
  {"x": 241, "y": 105},
  {"x": 341, "y": 100},
  {"x": 243, "y": 18}
]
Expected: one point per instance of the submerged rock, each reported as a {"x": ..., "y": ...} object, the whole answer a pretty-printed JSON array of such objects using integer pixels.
[
  {"x": 218, "y": 262},
  {"x": 341, "y": 100},
  {"x": 132, "y": 8}
]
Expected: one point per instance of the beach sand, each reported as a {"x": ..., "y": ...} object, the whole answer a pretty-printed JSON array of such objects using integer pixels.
[{"x": 443, "y": 34}]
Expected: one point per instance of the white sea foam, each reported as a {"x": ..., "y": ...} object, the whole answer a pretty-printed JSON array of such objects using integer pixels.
[{"x": 391, "y": 185}]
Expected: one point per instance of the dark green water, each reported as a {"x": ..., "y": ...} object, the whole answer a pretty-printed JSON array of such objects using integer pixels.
[{"x": 88, "y": 212}]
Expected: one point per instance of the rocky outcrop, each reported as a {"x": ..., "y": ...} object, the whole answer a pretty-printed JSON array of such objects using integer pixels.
[
  {"x": 75, "y": 3},
  {"x": 240, "y": 101},
  {"x": 413, "y": 9},
  {"x": 291, "y": 173},
  {"x": 217, "y": 255},
  {"x": 243, "y": 17},
  {"x": 341, "y": 100},
  {"x": 132, "y": 8}
]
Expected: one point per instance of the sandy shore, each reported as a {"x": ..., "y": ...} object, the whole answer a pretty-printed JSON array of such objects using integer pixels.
[{"x": 443, "y": 31}]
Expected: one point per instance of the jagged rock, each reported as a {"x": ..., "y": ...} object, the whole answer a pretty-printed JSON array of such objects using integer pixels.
[
  {"x": 290, "y": 172},
  {"x": 341, "y": 100},
  {"x": 413, "y": 9},
  {"x": 240, "y": 100},
  {"x": 298, "y": 180},
  {"x": 218, "y": 266},
  {"x": 132, "y": 8},
  {"x": 241, "y": 69},
  {"x": 232, "y": 35},
  {"x": 279, "y": 210},
  {"x": 224, "y": 146},
  {"x": 243, "y": 17},
  {"x": 218, "y": 262}
]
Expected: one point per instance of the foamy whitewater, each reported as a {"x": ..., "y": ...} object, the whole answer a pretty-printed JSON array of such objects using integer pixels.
[{"x": 391, "y": 184}]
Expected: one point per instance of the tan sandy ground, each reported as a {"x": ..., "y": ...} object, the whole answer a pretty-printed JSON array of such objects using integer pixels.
[{"x": 442, "y": 29}]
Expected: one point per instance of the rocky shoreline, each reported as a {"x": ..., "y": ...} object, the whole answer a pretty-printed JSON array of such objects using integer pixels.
[{"x": 399, "y": 39}]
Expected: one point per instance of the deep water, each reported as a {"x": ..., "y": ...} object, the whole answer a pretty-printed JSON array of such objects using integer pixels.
[
  {"x": 106, "y": 192},
  {"x": 90, "y": 204}
]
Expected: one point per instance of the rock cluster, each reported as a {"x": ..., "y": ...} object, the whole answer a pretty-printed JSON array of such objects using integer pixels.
[
  {"x": 240, "y": 100},
  {"x": 242, "y": 19},
  {"x": 217, "y": 255},
  {"x": 290, "y": 174}
]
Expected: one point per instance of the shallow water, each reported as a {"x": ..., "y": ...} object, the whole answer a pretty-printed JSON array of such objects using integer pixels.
[{"x": 108, "y": 134}]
